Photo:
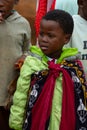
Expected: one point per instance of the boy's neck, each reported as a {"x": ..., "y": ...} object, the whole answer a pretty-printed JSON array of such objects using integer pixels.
[{"x": 12, "y": 11}]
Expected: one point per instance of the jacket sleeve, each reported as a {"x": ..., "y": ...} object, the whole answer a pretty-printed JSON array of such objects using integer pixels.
[
  {"x": 17, "y": 110},
  {"x": 26, "y": 36}
]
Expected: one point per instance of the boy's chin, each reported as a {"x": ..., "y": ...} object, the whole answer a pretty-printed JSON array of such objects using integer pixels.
[{"x": 45, "y": 53}]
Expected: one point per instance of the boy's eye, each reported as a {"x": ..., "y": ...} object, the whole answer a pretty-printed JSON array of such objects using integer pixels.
[
  {"x": 41, "y": 33},
  {"x": 50, "y": 35}
]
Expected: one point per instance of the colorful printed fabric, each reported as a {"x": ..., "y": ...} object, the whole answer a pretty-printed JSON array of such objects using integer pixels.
[
  {"x": 80, "y": 86},
  {"x": 36, "y": 62},
  {"x": 37, "y": 84}
]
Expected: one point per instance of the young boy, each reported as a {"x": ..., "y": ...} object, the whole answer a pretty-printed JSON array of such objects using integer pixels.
[
  {"x": 15, "y": 36},
  {"x": 79, "y": 36},
  {"x": 51, "y": 89}
]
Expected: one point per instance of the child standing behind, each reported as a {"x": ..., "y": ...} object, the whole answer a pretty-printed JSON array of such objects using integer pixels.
[
  {"x": 15, "y": 36},
  {"x": 51, "y": 87},
  {"x": 79, "y": 36}
]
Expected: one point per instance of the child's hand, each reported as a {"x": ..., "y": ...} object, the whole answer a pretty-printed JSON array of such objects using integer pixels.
[{"x": 20, "y": 62}]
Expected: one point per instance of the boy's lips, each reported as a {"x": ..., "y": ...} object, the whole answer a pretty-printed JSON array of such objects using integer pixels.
[{"x": 43, "y": 47}]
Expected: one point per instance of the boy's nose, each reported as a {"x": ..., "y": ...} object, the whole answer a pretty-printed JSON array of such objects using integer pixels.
[{"x": 45, "y": 38}]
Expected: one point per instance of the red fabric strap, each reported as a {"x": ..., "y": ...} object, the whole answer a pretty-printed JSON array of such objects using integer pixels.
[
  {"x": 42, "y": 108},
  {"x": 41, "y": 11}
]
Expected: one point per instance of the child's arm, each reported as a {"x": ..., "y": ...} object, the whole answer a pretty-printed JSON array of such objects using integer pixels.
[
  {"x": 20, "y": 96},
  {"x": 18, "y": 109}
]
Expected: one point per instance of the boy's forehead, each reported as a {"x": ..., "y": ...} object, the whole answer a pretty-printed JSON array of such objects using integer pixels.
[
  {"x": 48, "y": 22},
  {"x": 50, "y": 25},
  {"x": 80, "y": 1},
  {"x": 85, "y": 1},
  {"x": 7, "y": 0}
]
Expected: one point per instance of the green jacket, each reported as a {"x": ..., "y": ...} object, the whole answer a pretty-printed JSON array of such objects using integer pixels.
[{"x": 35, "y": 62}]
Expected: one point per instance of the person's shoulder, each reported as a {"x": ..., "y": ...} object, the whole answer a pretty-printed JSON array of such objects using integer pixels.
[
  {"x": 75, "y": 16},
  {"x": 79, "y": 20},
  {"x": 21, "y": 21},
  {"x": 21, "y": 18},
  {"x": 15, "y": 16}
]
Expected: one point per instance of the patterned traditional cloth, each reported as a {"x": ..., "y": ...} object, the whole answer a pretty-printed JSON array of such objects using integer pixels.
[
  {"x": 34, "y": 63},
  {"x": 80, "y": 86},
  {"x": 76, "y": 118}
]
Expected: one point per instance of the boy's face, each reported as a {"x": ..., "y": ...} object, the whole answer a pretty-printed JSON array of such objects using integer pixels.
[
  {"x": 5, "y": 8},
  {"x": 83, "y": 8},
  {"x": 51, "y": 38}
]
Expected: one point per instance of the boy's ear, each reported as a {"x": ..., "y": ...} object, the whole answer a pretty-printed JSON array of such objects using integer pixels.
[{"x": 67, "y": 38}]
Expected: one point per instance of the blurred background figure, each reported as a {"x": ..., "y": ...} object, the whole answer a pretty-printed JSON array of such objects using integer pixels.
[
  {"x": 27, "y": 8},
  {"x": 42, "y": 7},
  {"x": 68, "y": 5},
  {"x": 15, "y": 38}
]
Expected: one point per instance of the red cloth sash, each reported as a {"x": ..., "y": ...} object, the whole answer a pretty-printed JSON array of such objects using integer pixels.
[{"x": 42, "y": 108}]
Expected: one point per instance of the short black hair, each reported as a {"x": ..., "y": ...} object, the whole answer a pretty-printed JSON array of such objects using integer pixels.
[{"x": 63, "y": 18}]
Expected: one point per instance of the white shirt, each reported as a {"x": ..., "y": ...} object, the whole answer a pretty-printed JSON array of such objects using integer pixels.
[
  {"x": 68, "y": 5},
  {"x": 79, "y": 36}
]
